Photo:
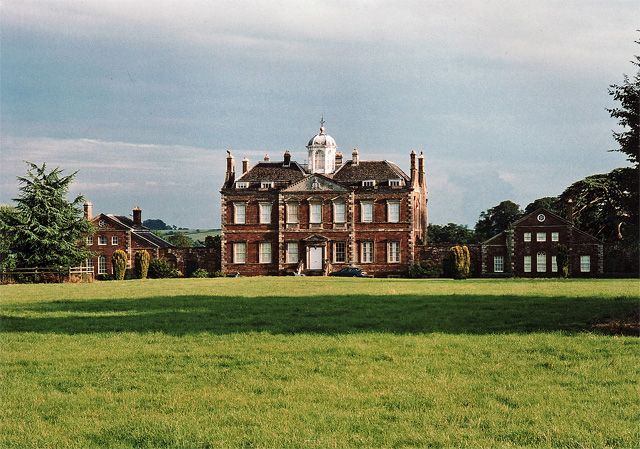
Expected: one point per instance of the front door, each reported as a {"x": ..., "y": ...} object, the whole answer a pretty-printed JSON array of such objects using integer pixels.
[{"x": 315, "y": 258}]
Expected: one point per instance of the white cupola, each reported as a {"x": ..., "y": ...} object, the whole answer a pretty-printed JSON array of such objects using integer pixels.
[{"x": 322, "y": 152}]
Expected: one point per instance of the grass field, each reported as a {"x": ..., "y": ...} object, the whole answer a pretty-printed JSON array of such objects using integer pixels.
[{"x": 318, "y": 363}]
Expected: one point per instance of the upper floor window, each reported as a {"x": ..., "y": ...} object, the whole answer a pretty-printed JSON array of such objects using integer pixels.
[
  {"x": 585, "y": 264},
  {"x": 114, "y": 240},
  {"x": 541, "y": 237},
  {"x": 527, "y": 236},
  {"x": 339, "y": 252},
  {"x": 265, "y": 212},
  {"x": 315, "y": 213},
  {"x": 242, "y": 185},
  {"x": 393, "y": 211},
  {"x": 555, "y": 236},
  {"x": 366, "y": 252},
  {"x": 89, "y": 240},
  {"x": 393, "y": 252},
  {"x": 266, "y": 185},
  {"x": 366, "y": 210},
  {"x": 395, "y": 183},
  {"x": 339, "y": 212},
  {"x": 527, "y": 264},
  {"x": 368, "y": 183},
  {"x": 541, "y": 262},
  {"x": 239, "y": 213},
  {"x": 292, "y": 213},
  {"x": 239, "y": 252},
  {"x": 498, "y": 264},
  {"x": 102, "y": 240}
]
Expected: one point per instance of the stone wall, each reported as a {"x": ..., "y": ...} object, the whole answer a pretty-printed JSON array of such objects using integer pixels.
[
  {"x": 435, "y": 253},
  {"x": 187, "y": 260}
]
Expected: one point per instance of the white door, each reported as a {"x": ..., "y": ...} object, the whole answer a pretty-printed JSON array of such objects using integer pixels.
[{"x": 315, "y": 258}]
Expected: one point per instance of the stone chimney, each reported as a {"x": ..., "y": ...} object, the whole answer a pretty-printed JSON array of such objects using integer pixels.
[
  {"x": 230, "y": 176},
  {"x": 267, "y": 158},
  {"x": 421, "y": 170},
  {"x": 338, "y": 160},
  {"x": 355, "y": 159},
  {"x": 287, "y": 159},
  {"x": 414, "y": 170},
  {"x": 245, "y": 165},
  {"x": 88, "y": 210},
  {"x": 137, "y": 216}
]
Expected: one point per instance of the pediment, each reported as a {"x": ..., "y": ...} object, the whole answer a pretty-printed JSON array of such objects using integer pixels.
[
  {"x": 315, "y": 183},
  {"x": 316, "y": 238}
]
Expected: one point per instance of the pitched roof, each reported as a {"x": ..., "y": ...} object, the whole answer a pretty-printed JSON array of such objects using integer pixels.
[
  {"x": 351, "y": 173},
  {"x": 273, "y": 171},
  {"x": 138, "y": 230}
]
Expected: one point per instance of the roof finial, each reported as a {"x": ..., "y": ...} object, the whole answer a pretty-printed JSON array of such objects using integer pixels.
[{"x": 322, "y": 124}]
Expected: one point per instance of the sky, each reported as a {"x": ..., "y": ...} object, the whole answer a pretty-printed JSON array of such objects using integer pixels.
[{"x": 505, "y": 98}]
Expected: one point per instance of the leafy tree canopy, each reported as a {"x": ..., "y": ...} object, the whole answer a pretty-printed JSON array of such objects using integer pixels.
[
  {"x": 45, "y": 229},
  {"x": 551, "y": 203},
  {"x": 495, "y": 220},
  {"x": 451, "y": 233},
  {"x": 180, "y": 240},
  {"x": 156, "y": 224}
]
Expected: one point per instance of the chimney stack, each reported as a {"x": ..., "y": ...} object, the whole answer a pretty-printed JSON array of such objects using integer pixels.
[
  {"x": 231, "y": 169},
  {"x": 570, "y": 210},
  {"x": 88, "y": 210},
  {"x": 267, "y": 158},
  {"x": 287, "y": 159},
  {"x": 355, "y": 160},
  {"x": 245, "y": 165},
  {"x": 414, "y": 170},
  {"x": 421, "y": 170},
  {"x": 137, "y": 216},
  {"x": 338, "y": 160}
]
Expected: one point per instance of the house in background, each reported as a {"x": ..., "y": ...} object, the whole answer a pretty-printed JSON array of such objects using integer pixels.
[
  {"x": 114, "y": 232},
  {"x": 281, "y": 216},
  {"x": 530, "y": 248}
]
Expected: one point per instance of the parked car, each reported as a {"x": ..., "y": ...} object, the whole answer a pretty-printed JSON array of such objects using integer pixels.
[{"x": 350, "y": 272}]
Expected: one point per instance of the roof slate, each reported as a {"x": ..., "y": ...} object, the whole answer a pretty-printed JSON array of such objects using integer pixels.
[
  {"x": 366, "y": 170},
  {"x": 273, "y": 171}
]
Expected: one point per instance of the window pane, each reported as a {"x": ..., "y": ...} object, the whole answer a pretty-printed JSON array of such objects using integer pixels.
[
  {"x": 541, "y": 237},
  {"x": 340, "y": 252},
  {"x": 527, "y": 264},
  {"x": 239, "y": 252},
  {"x": 585, "y": 264},
  {"x": 240, "y": 213},
  {"x": 292, "y": 252},
  {"x": 555, "y": 236},
  {"x": 394, "y": 252},
  {"x": 367, "y": 252},
  {"x": 102, "y": 265},
  {"x": 340, "y": 212},
  {"x": 527, "y": 236},
  {"x": 265, "y": 213},
  {"x": 541, "y": 262},
  {"x": 315, "y": 213},
  {"x": 498, "y": 264},
  {"x": 292, "y": 213},
  {"x": 554, "y": 264},
  {"x": 394, "y": 212},
  {"x": 367, "y": 212},
  {"x": 265, "y": 252},
  {"x": 114, "y": 240}
]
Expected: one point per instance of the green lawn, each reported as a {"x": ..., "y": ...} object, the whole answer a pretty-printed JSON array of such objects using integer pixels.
[{"x": 316, "y": 362}]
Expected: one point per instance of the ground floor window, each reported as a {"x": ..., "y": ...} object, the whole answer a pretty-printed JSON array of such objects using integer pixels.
[
  {"x": 393, "y": 252},
  {"x": 585, "y": 264},
  {"x": 554, "y": 264},
  {"x": 527, "y": 264},
  {"x": 292, "y": 252},
  {"x": 541, "y": 262},
  {"x": 339, "y": 252},
  {"x": 239, "y": 252},
  {"x": 265, "y": 252},
  {"x": 102, "y": 265},
  {"x": 498, "y": 264},
  {"x": 366, "y": 251}
]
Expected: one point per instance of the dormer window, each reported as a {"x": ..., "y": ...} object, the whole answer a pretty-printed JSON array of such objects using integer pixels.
[
  {"x": 242, "y": 185},
  {"x": 266, "y": 185},
  {"x": 395, "y": 183},
  {"x": 369, "y": 183}
]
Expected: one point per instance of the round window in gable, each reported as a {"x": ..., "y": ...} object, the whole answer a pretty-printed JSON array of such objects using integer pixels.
[
  {"x": 541, "y": 218},
  {"x": 101, "y": 223}
]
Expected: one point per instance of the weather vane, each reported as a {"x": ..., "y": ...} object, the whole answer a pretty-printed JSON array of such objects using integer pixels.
[{"x": 322, "y": 121}]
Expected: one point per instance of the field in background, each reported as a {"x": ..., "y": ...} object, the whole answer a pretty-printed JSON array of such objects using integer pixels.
[
  {"x": 318, "y": 362},
  {"x": 194, "y": 234}
]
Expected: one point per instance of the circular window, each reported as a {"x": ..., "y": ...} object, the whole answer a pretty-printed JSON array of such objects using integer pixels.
[
  {"x": 101, "y": 223},
  {"x": 541, "y": 217}
]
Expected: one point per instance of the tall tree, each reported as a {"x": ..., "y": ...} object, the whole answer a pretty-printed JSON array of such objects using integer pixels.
[
  {"x": 46, "y": 230},
  {"x": 495, "y": 220},
  {"x": 451, "y": 233},
  {"x": 551, "y": 203}
]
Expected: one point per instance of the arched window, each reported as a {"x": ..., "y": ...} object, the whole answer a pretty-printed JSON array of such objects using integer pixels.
[
  {"x": 318, "y": 162},
  {"x": 541, "y": 262},
  {"x": 102, "y": 265}
]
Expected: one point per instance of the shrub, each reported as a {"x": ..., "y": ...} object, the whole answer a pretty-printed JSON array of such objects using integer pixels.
[
  {"x": 562, "y": 259},
  {"x": 218, "y": 274},
  {"x": 457, "y": 262},
  {"x": 119, "y": 261},
  {"x": 142, "y": 264},
  {"x": 161, "y": 268},
  {"x": 200, "y": 273},
  {"x": 425, "y": 269}
]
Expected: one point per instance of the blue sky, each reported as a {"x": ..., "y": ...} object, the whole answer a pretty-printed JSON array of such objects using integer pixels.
[{"x": 505, "y": 98}]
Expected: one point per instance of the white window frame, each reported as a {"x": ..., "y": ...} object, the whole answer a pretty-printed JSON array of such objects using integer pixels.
[
  {"x": 393, "y": 251},
  {"x": 526, "y": 237},
  {"x": 315, "y": 212},
  {"x": 264, "y": 212},
  {"x": 541, "y": 236},
  {"x": 585, "y": 264},
  {"x": 366, "y": 256},
  {"x": 541, "y": 262},
  {"x": 239, "y": 252},
  {"x": 335, "y": 252},
  {"x": 293, "y": 254},
  {"x": 527, "y": 264},
  {"x": 395, "y": 182},
  {"x": 264, "y": 252},
  {"x": 114, "y": 240},
  {"x": 392, "y": 218},
  {"x": 498, "y": 264},
  {"x": 364, "y": 217},
  {"x": 89, "y": 240},
  {"x": 266, "y": 184},
  {"x": 242, "y": 185},
  {"x": 554, "y": 264},
  {"x": 555, "y": 236},
  {"x": 339, "y": 218},
  {"x": 102, "y": 240},
  {"x": 102, "y": 265},
  {"x": 292, "y": 213},
  {"x": 369, "y": 183},
  {"x": 239, "y": 218},
  {"x": 89, "y": 263}
]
